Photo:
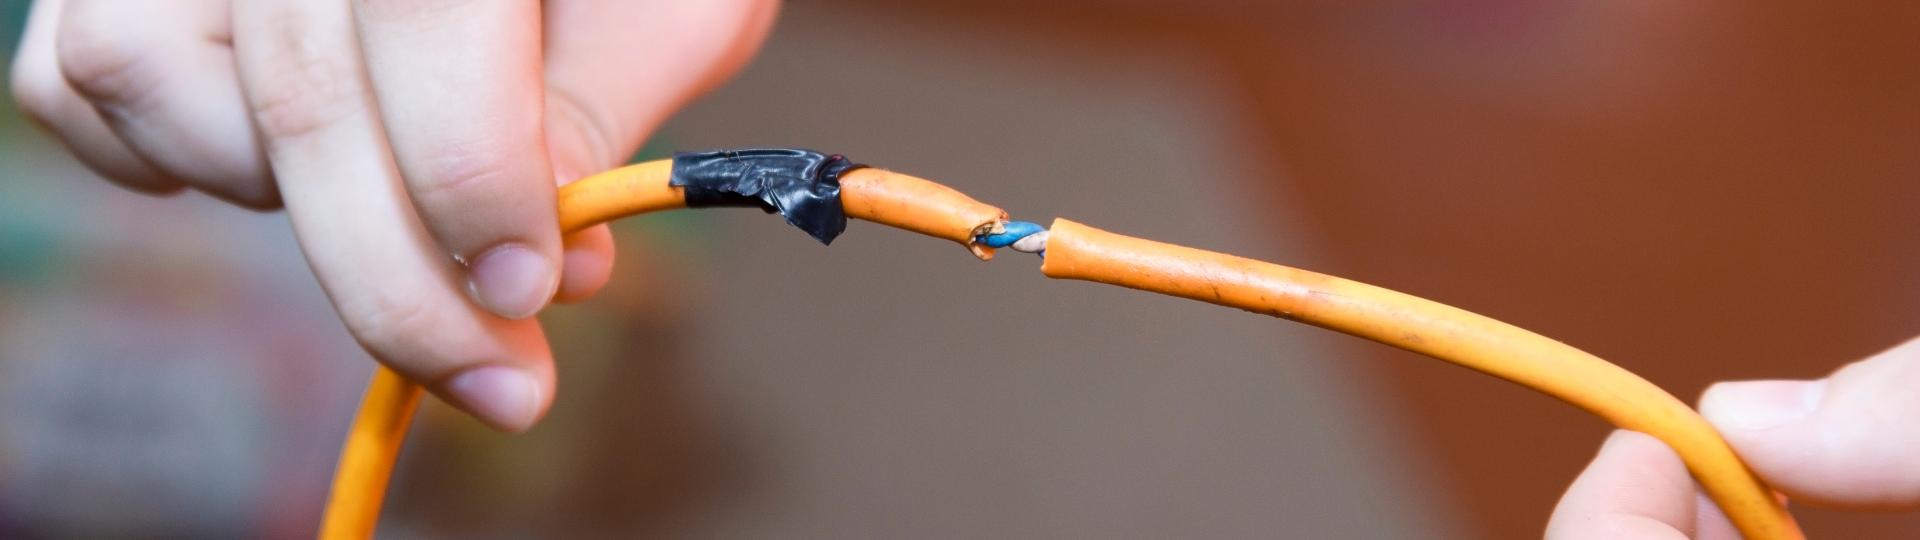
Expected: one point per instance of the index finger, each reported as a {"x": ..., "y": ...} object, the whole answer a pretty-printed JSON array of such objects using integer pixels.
[
  {"x": 1636, "y": 489},
  {"x": 460, "y": 89}
]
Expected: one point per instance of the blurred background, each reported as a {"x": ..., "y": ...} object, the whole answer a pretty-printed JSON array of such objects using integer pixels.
[{"x": 1696, "y": 191}]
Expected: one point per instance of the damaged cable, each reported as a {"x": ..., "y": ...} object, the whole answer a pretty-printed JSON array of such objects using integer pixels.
[
  {"x": 1022, "y": 236},
  {"x": 818, "y": 192}
]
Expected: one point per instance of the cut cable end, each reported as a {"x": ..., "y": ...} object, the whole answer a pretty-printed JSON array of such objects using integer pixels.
[{"x": 1021, "y": 236}]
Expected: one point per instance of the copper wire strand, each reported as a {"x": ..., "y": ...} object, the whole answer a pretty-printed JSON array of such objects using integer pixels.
[{"x": 1079, "y": 252}]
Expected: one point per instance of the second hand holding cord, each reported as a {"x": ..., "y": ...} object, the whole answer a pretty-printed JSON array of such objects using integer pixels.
[{"x": 818, "y": 192}]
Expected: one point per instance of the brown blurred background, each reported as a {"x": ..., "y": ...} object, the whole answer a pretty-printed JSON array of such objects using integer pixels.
[{"x": 1698, "y": 192}]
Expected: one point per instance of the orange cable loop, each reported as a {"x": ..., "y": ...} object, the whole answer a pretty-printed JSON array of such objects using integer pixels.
[{"x": 1075, "y": 251}]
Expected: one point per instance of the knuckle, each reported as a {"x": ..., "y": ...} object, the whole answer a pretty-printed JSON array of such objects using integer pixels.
[
  {"x": 458, "y": 169},
  {"x": 408, "y": 7},
  {"x": 302, "y": 92},
  {"x": 106, "y": 64},
  {"x": 385, "y": 324},
  {"x": 38, "y": 96}
]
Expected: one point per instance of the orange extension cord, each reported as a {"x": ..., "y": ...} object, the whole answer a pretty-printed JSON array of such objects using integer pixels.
[{"x": 1076, "y": 251}]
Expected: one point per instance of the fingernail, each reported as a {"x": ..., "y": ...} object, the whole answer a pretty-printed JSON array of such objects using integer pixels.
[
  {"x": 1757, "y": 405},
  {"x": 563, "y": 175},
  {"x": 505, "y": 398},
  {"x": 512, "y": 281}
]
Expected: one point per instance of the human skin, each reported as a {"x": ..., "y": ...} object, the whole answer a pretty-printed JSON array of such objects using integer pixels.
[
  {"x": 416, "y": 146},
  {"x": 416, "y": 114},
  {"x": 1845, "y": 441}
]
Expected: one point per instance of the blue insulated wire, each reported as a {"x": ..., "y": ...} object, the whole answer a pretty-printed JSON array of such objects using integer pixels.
[{"x": 1014, "y": 231}]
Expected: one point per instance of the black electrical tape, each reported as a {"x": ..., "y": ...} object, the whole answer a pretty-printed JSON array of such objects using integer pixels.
[{"x": 802, "y": 185}]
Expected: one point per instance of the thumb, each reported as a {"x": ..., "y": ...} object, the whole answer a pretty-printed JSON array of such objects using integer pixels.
[
  {"x": 1850, "y": 440},
  {"x": 616, "y": 69},
  {"x": 587, "y": 258}
]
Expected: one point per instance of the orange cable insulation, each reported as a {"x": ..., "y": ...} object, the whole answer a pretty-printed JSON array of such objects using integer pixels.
[
  {"x": 918, "y": 205},
  {"x": 622, "y": 192},
  {"x": 373, "y": 445},
  {"x": 899, "y": 200},
  {"x": 1076, "y": 251}
]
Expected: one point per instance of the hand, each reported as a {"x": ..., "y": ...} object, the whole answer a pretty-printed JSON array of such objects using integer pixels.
[
  {"x": 416, "y": 145},
  {"x": 1850, "y": 441}
]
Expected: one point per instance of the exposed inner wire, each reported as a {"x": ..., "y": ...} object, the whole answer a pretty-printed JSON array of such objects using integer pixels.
[
  {"x": 1022, "y": 236},
  {"x": 1084, "y": 253}
]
